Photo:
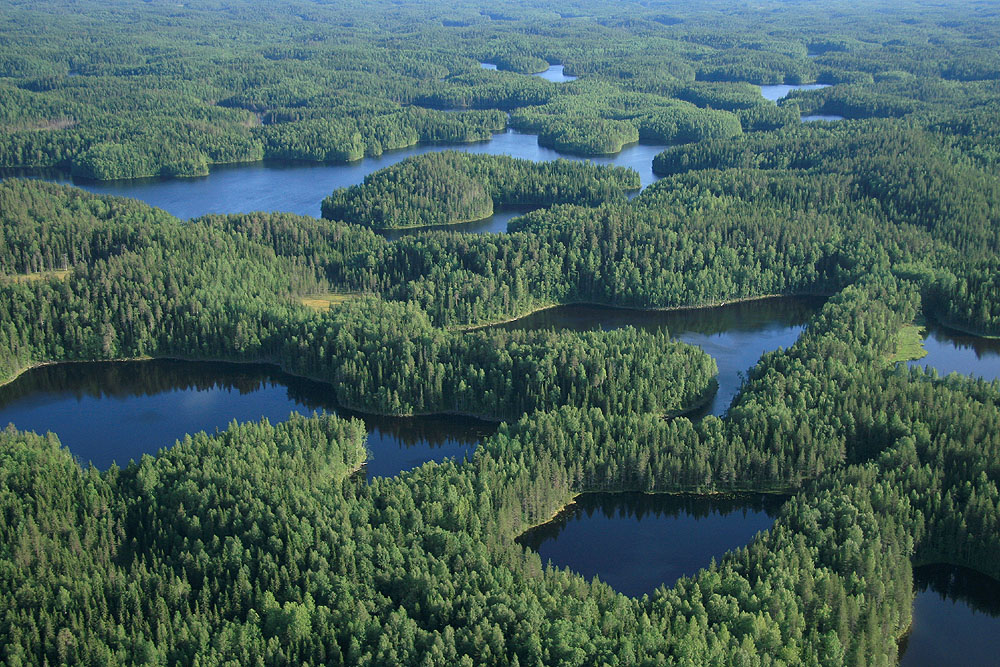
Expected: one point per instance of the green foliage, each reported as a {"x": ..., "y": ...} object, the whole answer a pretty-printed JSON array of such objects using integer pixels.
[
  {"x": 256, "y": 546},
  {"x": 966, "y": 296},
  {"x": 447, "y": 188}
]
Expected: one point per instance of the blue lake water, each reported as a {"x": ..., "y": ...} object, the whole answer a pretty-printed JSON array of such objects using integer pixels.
[
  {"x": 637, "y": 542},
  {"x": 555, "y": 74},
  {"x": 951, "y": 351},
  {"x": 956, "y": 619},
  {"x": 117, "y": 411},
  {"x": 299, "y": 187},
  {"x": 780, "y": 91},
  {"x": 735, "y": 335}
]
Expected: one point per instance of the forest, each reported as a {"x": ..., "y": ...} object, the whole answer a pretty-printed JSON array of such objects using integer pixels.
[
  {"x": 260, "y": 545},
  {"x": 448, "y": 188}
]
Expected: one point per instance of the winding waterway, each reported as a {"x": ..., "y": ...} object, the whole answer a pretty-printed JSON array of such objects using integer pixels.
[
  {"x": 117, "y": 411},
  {"x": 637, "y": 542},
  {"x": 735, "y": 335},
  {"x": 956, "y": 619},
  {"x": 299, "y": 187}
]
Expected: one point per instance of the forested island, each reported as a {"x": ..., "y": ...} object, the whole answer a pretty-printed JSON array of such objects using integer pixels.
[{"x": 260, "y": 543}]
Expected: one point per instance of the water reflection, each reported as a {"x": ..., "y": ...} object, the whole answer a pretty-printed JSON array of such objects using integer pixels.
[
  {"x": 636, "y": 542},
  {"x": 117, "y": 411},
  {"x": 952, "y": 351},
  {"x": 735, "y": 335},
  {"x": 956, "y": 618},
  {"x": 299, "y": 187}
]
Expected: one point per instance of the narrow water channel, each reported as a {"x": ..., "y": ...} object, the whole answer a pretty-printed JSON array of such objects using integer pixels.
[
  {"x": 108, "y": 412},
  {"x": 735, "y": 335},
  {"x": 299, "y": 187}
]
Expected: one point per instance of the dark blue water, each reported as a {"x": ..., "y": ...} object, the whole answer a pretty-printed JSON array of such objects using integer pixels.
[
  {"x": 637, "y": 542},
  {"x": 299, "y": 187},
  {"x": 735, "y": 335},
  {"x": 956, "y": 619},
  {"x": 117, "y": 411},
  {"x": 950, "y": 351},
  {"x": 780, "y": 91}
]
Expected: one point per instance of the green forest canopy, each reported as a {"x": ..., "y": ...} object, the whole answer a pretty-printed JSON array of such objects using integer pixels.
[{"x": 257, "y": 546}]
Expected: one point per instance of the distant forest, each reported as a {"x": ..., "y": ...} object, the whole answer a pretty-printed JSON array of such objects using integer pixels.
[{"x": 258, "y": 545}]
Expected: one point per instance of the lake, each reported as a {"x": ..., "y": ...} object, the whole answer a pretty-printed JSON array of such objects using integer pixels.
[
  {"x": 555, "y": 74},
  {"x": 780, "y": 91},
  {"x": 735, "y": 335},
  {"x": 956, "y": 619},
  {"x": 108, "y": 412},
  {"x": 636, "y": 542},
  {"x": 299, "y": 187},
  {"x": 952, "y": 351}
]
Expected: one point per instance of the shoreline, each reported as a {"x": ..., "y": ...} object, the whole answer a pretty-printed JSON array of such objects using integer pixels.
[
  {"x": 255, "y": 362},
  {"x": 961, "y": 330},
  {"x": 384, "y": 230},
  {"x": 238, "y": 163},
  {"x": 646, "y": 309},
  {"x": 705, "y": 400},
  {"x": 720, "y": 495},
  {"x": 311, "y": 378},
  {"x": 687, "y": 410}
]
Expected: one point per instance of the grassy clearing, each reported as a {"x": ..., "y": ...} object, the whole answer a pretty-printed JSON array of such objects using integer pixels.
[
  {"x": 326, "y": 301},
  {"x": 909, "y": 343},
  {"x": 58, "y": 274}
]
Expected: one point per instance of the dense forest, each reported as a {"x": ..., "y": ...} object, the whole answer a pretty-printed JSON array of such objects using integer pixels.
[
  {"x": 259, "y": 545},
  {"x": 446, "y": 188}
]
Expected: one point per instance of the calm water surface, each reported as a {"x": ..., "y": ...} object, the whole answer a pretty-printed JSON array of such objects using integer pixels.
[
  {"x": 555, "y": 74},
  {"x": 820, "y": 117},
  {"x": 956, "y": 619},
  {"x": 299, "y": 187},
  {"x": 118, "y": 411},
  {"x": 735, "y": 335},
  {"x": 951, "y": 351},
  {"x": 495, "y": 224},
  {"x": 636, "y": 542},
  {"x": 775, "y": 93}
]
